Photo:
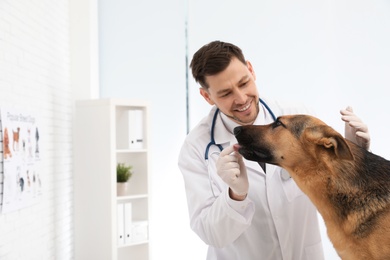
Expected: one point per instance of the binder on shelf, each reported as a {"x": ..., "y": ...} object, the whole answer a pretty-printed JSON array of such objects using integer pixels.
[
  {"x": 120, "y": 224},
  {"x": 140, "y": 231},
  {"x": 136, "y": 129},
  {"x": 128, "y": 223}
]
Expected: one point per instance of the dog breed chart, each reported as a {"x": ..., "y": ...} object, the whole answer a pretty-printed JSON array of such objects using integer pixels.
[{"x": 21, "y": 185}]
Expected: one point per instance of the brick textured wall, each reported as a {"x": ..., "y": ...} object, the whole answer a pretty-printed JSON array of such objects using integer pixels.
[{"x": 34, "y": 75}]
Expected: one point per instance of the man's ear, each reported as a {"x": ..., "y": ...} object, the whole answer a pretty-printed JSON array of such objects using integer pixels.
[
  {"x": 250, "y": 68},
  {"x": 329, "y": 138},
  {"x": 206, "y": 95}
]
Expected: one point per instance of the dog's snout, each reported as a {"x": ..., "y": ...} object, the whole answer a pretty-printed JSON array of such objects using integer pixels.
[{"x": 237, "y": 130}]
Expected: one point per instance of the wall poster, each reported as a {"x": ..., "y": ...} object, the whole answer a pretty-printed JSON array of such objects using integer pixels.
[{"x": 22, "y": 185}]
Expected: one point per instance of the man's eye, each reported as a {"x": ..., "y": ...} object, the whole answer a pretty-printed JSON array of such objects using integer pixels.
[{"x": 244, "y": 84}]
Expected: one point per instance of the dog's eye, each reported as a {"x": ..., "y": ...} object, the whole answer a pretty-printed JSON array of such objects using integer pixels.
[{"x": 277, "y": 123}]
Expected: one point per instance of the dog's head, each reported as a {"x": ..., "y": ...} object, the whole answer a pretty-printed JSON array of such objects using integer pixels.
[{"x": 290, "y": 140}]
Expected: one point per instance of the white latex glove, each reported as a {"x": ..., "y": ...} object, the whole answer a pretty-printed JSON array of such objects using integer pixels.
[
  {"x": 232, "y": 170},
  {"x": 355, "y": 130}
]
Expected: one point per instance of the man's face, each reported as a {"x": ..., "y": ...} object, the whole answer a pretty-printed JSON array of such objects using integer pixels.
[{"x": 234, "y": 92}]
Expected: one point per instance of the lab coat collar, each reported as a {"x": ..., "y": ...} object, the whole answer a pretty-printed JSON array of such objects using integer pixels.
[{"x": 222, "y": 134}]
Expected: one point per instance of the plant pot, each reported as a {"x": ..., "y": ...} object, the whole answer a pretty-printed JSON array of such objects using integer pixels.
[{"x": 121, "y": 188}]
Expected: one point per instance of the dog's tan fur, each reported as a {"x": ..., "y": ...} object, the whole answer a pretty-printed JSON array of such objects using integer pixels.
[
  {"x": 6, "y": 150},
  {"x": 349, "y": 186},
  {"x": 15, "y": 144}
]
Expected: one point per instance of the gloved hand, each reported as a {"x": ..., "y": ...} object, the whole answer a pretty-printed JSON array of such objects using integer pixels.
[
  {"x": 232, "y": 170},
  {"x": 355, "y": 130}
]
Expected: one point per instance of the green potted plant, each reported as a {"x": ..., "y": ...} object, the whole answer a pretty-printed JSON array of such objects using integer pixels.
[{"x": 123, "y": 174}]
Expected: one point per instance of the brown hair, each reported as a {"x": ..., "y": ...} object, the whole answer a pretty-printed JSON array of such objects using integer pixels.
[{"x": 213, "y": 58}]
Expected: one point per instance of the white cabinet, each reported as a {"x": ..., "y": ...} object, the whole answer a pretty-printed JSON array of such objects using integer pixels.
[{"x": 107, "y": 132}]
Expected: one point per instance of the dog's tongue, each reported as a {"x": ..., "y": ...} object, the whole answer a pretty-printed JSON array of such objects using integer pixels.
[{"x": 236, "y": 147}]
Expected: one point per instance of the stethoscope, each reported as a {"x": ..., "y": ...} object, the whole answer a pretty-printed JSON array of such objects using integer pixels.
[{"x": 285, "y": 175}]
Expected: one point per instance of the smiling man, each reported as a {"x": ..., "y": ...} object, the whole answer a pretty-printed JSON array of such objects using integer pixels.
[{"x": 241, "y": 210}]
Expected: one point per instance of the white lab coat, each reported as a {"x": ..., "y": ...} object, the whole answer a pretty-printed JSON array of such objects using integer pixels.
[{"x": 275, "y": 221}]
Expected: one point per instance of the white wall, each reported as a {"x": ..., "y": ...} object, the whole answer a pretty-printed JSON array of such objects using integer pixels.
[
  {"x": 34, "y": 76},
  {"x": 142, "y": 56},
  {"x": 327, "y": 54},
  {"x": 84, "y": 53}
]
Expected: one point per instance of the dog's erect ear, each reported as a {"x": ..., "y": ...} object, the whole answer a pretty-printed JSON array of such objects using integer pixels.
[{"x": 329, "y": 138}]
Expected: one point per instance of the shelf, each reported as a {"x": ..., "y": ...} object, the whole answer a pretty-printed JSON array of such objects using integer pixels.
[
  {"x": 120, "y": 128},
  {"x": 131, "y": 150},
  {"x": 132, "y": 197},
  {"x": 134, "y": 244}
]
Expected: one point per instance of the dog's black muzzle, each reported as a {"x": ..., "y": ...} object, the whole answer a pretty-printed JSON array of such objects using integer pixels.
[{"x": 250, "y": 146}]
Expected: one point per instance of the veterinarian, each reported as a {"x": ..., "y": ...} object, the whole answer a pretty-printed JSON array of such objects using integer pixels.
[{"x": 239, "y": 209}]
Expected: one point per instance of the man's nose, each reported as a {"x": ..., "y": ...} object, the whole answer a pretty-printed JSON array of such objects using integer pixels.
[{"x": 240, "y": 97}]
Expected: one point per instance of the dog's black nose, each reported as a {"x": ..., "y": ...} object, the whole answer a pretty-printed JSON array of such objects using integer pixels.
[{"x": 237, "y": 130}]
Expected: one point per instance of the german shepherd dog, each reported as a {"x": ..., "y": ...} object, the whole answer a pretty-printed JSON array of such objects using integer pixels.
[{"x": 349, "y": 186}]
